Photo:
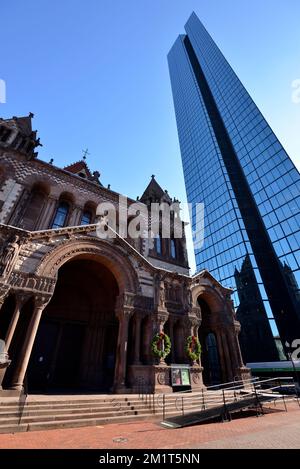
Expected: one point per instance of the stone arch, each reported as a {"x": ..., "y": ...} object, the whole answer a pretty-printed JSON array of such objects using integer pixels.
[
  {"x": 68, "y": 197},
  {"x": 210, "y": 295},
  {"x": 214, "y": 322},
  {"x": 115, "y": 260},
  {"x": 89, "y": 207},
  {"x": 36, "y": 201},
  {"x": 39, "y": 180}
]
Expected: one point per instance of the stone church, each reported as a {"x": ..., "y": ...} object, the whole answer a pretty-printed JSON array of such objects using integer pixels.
[{"x": 78, "y": 313}]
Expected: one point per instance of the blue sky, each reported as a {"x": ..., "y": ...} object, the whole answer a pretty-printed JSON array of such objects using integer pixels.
[{"x": 95, "y": 75}]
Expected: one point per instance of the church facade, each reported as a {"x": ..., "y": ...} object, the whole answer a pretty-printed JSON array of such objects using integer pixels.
[{"x": 78, "y": 311}]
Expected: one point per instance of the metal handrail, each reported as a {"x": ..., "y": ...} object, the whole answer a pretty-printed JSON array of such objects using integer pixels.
[
  {"x": 209, "y": 398},
  {"x": 205, "y": 397}
]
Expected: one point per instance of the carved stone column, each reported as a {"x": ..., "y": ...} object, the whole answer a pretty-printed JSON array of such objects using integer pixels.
[
  {"x": 39, "y": 305},
  {"x": 137, "y": 339},
  {"x": 122, "y": 348}
]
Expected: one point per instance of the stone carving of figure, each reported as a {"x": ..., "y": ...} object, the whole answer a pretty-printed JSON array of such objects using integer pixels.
[
  {"x": 162, "y": 295},
  {"x": 8, "y": 254},
  {"x": 157, "y": 289},
  {"x": 190, "y": 297}
]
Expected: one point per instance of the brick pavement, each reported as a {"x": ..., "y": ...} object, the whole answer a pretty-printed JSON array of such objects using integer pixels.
[{"x": 275, "y": 430}]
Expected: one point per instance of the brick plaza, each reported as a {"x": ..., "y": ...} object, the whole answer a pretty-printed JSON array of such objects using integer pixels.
[{"x": 274, "y": 430}]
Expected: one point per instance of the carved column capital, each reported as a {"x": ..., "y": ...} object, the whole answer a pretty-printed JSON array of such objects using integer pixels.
[
  {"x": 192, "y": 324},
  {"x": 159, "y": 319},
  {"x": 41, "y": 301},
  {"x": 22, "y": 296},
  {"x": 124, "y": 313},
  {"x": 237, "y": 327},
  {"x": 4, "y": 290}
]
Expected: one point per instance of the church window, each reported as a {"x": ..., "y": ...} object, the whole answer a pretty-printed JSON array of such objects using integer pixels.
[
  {"x": 86, "y": 218},
  {"x": 158, "y": 246},
  {"x": 61, "y": 215},
  {"x": 173, "y": 249}
]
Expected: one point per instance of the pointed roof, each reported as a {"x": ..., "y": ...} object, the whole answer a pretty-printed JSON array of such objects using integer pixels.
[
  {"x": 206, "y": 274},
  {"x": 154, "y": 193},
  {"x": 80, "y": 168},
  {"x": 23, "y": 124}
]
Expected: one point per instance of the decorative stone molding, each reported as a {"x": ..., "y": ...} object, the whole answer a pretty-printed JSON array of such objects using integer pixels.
[
  {"x": 196, "y": 312},
  {"x": 196, "y": 377},
  {"x": 159, "y": 319},
  {"x": 237, "y": 327},
  {"x": 34, "y": 283},
  {"x": 9, "y": 252},
  {"x": 41, "y": 301},
  {"x": 4, "y": 290},
  {"x": 138, "y": 302},
  {"x": 108, "y": 255}
]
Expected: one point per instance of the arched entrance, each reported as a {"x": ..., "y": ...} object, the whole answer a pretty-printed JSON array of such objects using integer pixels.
[
  {"x": 210, "y": 354},
  {"x": 75, "y": 347}
]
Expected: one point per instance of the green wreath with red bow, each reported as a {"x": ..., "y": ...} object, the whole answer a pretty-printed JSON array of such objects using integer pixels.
[
  {"x": 161, "y": 345},
  {"x": 193, "y": 348}
]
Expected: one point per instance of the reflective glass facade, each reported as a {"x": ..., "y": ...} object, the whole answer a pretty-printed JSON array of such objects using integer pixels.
[{"x": 234, "y": 163}]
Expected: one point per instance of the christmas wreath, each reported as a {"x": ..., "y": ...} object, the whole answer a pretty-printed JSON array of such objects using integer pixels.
[
  {"x": 161, "y": 345},
  {"x": 193, "y": 348}
]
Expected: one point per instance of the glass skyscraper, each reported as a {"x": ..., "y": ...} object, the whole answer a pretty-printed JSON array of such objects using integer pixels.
[{"x": 234, "y": 164}]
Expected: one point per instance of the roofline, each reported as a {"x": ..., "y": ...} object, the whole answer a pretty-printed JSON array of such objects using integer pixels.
[{"x": 93, "y": 183}]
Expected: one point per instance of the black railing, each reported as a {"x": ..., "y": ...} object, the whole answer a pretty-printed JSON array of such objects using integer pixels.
[{"x": 272, "y": 389}]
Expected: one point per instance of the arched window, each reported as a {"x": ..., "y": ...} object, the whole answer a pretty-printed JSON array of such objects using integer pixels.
[
  {"x": 86, "y": 218},
  {"x": 158, "y": 246},
  {"x": 30, "y": 216},
  {"x": 61, "y": 215},
  {"x": 173, "y": 249},
  {"x": 213, "y": 358}
]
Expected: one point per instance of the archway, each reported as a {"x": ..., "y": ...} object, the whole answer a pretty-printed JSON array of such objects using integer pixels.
[
  {"x": 75, "y": 347},
  {"x": 210, "y": 354}
]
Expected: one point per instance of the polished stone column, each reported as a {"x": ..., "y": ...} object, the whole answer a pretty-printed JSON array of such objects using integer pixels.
[
  {"x": 172, "y": 353},
  {"x": 235, "y": 349},
  {"x": 120, "y": 373},
  {"x": 13, "y": 324},
  {"x": 137, "y": 340},
  {"x": 23, "y": 359},
  {"x": 227, "y": 357},
  {"x": 147, "y": 336},
  {"x": 221, "y": 355},
  {"x": 237, "y": 329}
]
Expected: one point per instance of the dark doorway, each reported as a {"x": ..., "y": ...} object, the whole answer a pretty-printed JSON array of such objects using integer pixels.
[
  {"x": 38, "y": 374},
  {"x": 67, "y": 364},
  {"x": 212, "y": 371},
  {"x": 209, "y": 347},
  {"x": 75, "y": 347}
]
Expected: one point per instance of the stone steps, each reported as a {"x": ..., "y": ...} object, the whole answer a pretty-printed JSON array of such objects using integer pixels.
[
  {"x": 43, "y": 413},
  {"x": 36, "y": 414},
  {"x": 69, "y": 423}
]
